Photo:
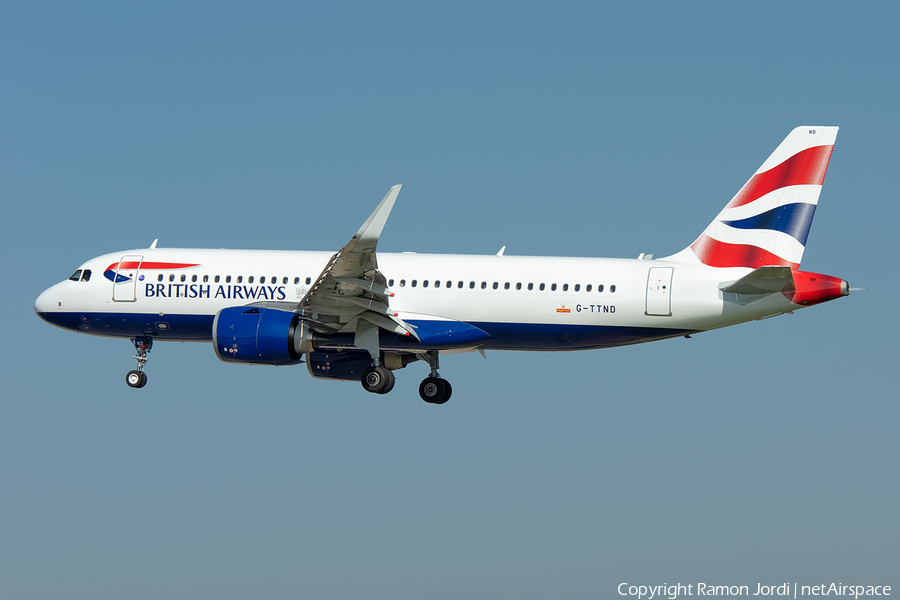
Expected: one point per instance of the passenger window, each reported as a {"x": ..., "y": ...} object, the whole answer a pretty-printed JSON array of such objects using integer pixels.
[
  {"x": 249, "y": 279},
  {"x": 518, "y": 286},
  {"x": 228, "y": 279},
  {"x": 424, "y": 283},
  {"x": 183, "y": 277},
  {"x": 587, "y": 288},
  {"x": 75, "y": 276},
  {"x": 449, "y": 284},
  {"x": 471, "y": 285},
  {"x": 308, "y": 281},
  {"x": 506, "y": 286},
  {"x": 205, "y": 278},
  {"x": 390, "y": 283},
  {"x": 612, "y": 289},
  {"x": 414, "y": 283},
  {"x": 240, "y": 278},
  {"x": 159, "y": 277},
  {"x": 437, "y": 284},
  {"x": 542, "y": 287},
  {"x": 530, "y": 286},
  {"x": 459, "y": 285},
  {"x": 553, "y": 288},
  {"x": 496, "y": 285},
  {"x": 565, "y": 287},
  {"x": 577, "y": 287},
  {"x": 402, "y": 283},
  {"x": 284, "y": 281},
  {"x": 171, "y": 276},
  {"x": 600, "y": 288},
  {"x": 484, "y": 285},
  {"x": 193, "y": 279},
  {"x": 216, "y": 279}
]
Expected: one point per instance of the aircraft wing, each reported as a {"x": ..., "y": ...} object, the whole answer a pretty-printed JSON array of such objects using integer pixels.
[{"x": 351, "y": 286}]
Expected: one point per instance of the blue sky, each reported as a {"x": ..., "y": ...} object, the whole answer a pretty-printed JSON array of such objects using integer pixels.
[{"x": 763, "y": 453}]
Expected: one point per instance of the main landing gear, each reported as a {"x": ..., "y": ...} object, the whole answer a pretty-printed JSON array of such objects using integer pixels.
[
  {"x": 433, "y": 389},
  {"x": 379, "y": 379},
  {"x": 137, "y": 378}
]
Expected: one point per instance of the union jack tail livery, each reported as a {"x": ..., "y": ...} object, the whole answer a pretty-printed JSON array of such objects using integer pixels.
[{"x": 767, "y": 222}]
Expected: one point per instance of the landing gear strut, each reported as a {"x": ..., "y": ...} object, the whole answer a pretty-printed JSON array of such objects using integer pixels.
[
  {"x": 137, "y": 378},
  {"x": 433, "y": 389}
]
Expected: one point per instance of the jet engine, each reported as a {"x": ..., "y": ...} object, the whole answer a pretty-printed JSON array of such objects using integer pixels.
[{"x": 261, "y": 336}]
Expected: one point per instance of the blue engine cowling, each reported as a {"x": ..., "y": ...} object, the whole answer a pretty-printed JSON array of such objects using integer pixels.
[{"x": 261, "y": 336}]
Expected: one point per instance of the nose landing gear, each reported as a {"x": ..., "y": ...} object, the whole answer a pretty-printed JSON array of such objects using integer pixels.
[{"x": 137, "y": 378}]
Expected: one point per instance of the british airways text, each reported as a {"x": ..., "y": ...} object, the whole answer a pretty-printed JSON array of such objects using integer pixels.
[{"x": 229, "y": 292}]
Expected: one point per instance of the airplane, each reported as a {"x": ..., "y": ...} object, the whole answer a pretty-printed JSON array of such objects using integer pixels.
[{"x": 361, "y": 315}]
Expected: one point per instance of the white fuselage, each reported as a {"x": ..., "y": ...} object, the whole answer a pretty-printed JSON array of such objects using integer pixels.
[{"x": 524, "y": 303}]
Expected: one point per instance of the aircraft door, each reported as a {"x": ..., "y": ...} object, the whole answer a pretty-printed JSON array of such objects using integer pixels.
[
  {"x": 125, "y": 278},
  {"x": 659, "y": 292}
]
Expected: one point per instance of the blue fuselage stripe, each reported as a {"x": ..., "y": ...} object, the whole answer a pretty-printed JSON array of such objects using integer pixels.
[{"x": 503, "y": 336}]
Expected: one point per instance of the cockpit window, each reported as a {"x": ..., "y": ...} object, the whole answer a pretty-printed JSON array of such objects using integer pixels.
[
  {"x": 86, "y": 276},
  {"x": 75, "y": 276}
]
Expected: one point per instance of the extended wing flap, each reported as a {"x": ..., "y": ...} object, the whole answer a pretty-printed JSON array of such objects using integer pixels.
[
  {"x": 390, "y": 323},
  {"x": 764, "y": 280}
]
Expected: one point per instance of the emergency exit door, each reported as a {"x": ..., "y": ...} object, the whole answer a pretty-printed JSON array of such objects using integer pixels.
[{"x": 659, "y": 292}]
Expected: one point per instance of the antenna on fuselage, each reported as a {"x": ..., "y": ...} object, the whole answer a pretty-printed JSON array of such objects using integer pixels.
[{"x": 153, "y": 245}]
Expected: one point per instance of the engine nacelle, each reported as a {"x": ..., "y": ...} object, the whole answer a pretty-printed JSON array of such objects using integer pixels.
[{"x": 261, "y": 336}]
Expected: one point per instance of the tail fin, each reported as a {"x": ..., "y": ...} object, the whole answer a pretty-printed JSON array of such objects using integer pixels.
[{"x": 768, "y": 221}]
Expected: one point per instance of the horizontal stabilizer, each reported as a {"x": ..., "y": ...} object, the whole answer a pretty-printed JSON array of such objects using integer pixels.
[{"x": 764, "y": 280}]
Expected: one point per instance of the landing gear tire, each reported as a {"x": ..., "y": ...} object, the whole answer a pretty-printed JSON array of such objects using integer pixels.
[
  {"x": 390, "y": 382},
  {"x": 136, "y": 379},
  {"x": 378, "y": 380},
  {"x": 435, "y": 390}
]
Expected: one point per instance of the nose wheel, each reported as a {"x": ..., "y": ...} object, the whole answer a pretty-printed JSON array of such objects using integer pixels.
[{"x": 137, "y": 378}]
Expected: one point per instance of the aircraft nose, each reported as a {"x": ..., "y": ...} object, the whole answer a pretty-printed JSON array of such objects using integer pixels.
[{"x": 46, "y": 302}]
